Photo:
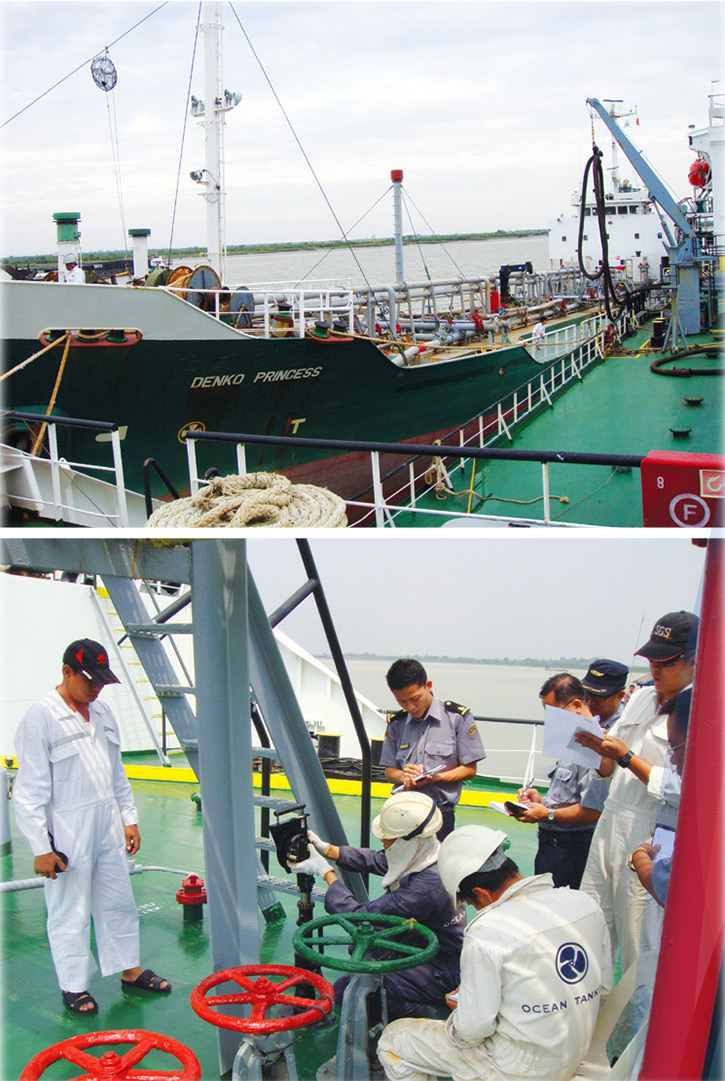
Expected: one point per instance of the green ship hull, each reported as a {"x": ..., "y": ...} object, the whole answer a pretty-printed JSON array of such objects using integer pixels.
[{"x": 154, "y": 385}]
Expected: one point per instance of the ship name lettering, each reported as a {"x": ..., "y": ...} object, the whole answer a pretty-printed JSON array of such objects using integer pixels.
[
  {"x": 291, "y": 373},
  {"x": 217, "y": 380}
]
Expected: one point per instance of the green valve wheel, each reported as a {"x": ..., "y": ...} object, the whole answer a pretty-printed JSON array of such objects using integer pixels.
[{"x": 371, "y": 942}]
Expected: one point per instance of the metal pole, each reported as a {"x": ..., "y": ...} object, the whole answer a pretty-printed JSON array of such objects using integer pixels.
[
  {"x": 221, "y": 642},
  {"x": 396, "y": 175},
  {"x": 6, "y": 842},
  {"x": 545, "y": 480},
  {"x": 347, "y": 687},
  {"x": 377, "y": 490}
]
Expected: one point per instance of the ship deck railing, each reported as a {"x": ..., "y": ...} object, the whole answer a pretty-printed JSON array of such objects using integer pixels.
[
  {"x": 576, "y": 348},
  {"x": 60, "y": 469},
  {"x": 362, "y": 308},
  {"x": 78, "y": 493},
  {"x": 382, "y": 510}
]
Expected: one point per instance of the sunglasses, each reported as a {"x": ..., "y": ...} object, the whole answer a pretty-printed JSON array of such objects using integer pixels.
[{"x": 667, "y": 664}]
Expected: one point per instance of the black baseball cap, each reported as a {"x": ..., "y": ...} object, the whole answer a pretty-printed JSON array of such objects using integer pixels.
[
  {"x": 605, "y": 677},
  {"x": 90, "y": 659},
  {"x": 672, "y": 635}
]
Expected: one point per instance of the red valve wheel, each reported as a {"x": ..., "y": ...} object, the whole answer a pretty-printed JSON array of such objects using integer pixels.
[
  {"x": 261, "y": 994},
  {"x": 111, "y": 1066}
]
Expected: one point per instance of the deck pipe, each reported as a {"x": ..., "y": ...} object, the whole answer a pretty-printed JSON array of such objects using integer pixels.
[
  {"x": 35, "y": 883},
  {"x": 6, "y": 843}
]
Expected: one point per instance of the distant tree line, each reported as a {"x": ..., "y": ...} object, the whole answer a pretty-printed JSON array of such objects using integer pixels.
[
  {"x": 561, "y": 664},
  {"x": 299, "y": 245}
]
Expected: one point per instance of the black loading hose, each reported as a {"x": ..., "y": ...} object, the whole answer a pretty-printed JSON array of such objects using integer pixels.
[{"x": 595, "y": 166}]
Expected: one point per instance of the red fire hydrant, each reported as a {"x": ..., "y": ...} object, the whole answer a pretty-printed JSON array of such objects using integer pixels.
[{"x": 192, "y": 896}]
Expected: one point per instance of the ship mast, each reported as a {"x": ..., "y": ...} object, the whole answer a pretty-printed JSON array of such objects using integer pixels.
[
  {"x": 211, "y": 114},
  {"x": 614, "y": 170},
  {"x": 396, "y": 175}
]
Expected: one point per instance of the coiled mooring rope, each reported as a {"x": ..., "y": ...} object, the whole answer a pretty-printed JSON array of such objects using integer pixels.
[{"x": 252, "y": 500}]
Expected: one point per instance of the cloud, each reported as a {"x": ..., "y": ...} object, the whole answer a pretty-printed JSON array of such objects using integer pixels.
[{"x": 483, "y": 106}]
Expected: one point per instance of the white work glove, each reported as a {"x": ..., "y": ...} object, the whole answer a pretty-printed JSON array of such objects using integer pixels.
[
  {"x": 323, "y": 847},
  {"x": 313, "y": 865}
]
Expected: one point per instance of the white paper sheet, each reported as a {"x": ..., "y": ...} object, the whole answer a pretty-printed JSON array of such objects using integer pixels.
[{"x": 559, "y": 728}]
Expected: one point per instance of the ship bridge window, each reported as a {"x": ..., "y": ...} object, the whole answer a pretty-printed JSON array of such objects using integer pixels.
[
  {"x": 621, "y": 210},
  {"x": 634, "y": 209},
  {"x": 587, "y": 211}
]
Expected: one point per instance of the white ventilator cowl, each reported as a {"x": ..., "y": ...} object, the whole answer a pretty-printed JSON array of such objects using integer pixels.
[
  {"x": 407, "y": 813},
  {"x": 466, "y": 850}
]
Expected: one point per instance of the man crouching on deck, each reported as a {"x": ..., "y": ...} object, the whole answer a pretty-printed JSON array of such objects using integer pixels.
[{"x": 534, "y": 967}]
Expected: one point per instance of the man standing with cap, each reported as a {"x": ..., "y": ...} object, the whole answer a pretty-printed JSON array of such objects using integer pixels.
[
  {"x": 641, "y": 793},
  {"x": 605, "y": 684},
  {"x": 534, "y": 967},
  {"x": 407, "y": 826},
  {"x": 429, "y": 745},
  {"x": 74, "y": 804}
]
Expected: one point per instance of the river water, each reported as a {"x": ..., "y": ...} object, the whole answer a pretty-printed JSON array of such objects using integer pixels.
[
  {"x": 490, "y": 691},
  {"x": 460, "y": 258},
  {"x": 495, "y": 691}
]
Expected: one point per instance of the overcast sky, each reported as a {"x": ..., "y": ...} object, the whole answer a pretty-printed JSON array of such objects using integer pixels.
[
  {"x": 517, "y": 596},
  {"x": 481, "y": 104}
]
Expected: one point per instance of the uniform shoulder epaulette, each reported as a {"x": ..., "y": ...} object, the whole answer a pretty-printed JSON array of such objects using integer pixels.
[
  {"x": 455, "y": 707},
  {"x": 395, "y": 716}
]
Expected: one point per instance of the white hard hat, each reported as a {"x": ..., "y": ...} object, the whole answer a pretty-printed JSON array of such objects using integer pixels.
[
  {"x": 467, "y": 850},
  {"x": 70, "y": 258},
  {"x": 407, "y": 815}
]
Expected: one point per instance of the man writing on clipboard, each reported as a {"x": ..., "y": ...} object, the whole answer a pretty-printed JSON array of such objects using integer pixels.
[
  {"x": 569, "y": 811},
  {"x": 429, "y": 745}
]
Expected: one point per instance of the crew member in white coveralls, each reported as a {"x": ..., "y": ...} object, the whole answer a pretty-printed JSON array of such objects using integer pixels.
[
  {"x": 72, "y": 274},
  {"x": 644, "y": 791},
  {"x": 74, "y": 804},
  {"x": 534, "y": 967}
]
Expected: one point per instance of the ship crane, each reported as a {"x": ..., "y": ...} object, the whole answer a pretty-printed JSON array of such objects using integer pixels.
[{"x": 684, "y": 252}]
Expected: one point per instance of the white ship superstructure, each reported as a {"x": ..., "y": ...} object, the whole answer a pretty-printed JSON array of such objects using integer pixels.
[{"x": 635, "y": 234}]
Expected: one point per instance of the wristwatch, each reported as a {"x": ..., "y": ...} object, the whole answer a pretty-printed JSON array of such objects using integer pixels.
[
  {"x": 625, "y": 759},
  {"x": 551, "y": 815}
]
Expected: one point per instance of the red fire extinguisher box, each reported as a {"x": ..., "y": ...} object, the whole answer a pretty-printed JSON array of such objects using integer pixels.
[{"x": 683, "y": 490}]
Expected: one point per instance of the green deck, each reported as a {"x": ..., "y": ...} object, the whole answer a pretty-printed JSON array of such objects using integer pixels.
[
  {"x": 171, "y": 833},
  {"x": 620, "y": 407}
]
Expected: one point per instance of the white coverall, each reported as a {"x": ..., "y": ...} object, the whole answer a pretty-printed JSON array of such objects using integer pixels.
[
  {"x": 629, "y": 817},
  {"x": 76, "y": 276},
  {"x": 71, "y": 784},
  {"x": 534, "y": 967},
  {"x": 630, "y": 814}
]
